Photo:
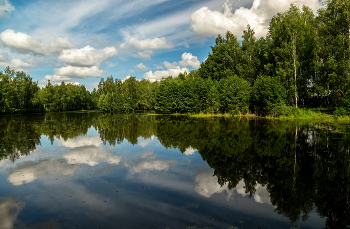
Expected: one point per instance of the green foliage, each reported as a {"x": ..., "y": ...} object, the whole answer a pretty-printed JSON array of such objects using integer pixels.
[
  {"x": 234, "y": 94},
  {"x": 225, "y": 59},
  {"x": 267, "y": 93}
]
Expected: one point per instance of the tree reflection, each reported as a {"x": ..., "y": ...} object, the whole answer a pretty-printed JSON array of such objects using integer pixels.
[{"x": 301, "y": 166}]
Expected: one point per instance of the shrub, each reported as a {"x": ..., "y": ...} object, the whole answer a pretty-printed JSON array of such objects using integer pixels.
[{"x": 267, "y": 93}]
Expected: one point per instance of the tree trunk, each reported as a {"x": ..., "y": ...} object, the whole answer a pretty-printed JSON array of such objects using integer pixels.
[{"x": 295, "y": 73}]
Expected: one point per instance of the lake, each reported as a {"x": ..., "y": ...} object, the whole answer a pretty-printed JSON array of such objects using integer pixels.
[{"x": 96, "y": 170}]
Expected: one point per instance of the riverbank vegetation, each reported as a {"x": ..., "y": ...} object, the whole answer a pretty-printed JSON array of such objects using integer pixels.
[{"x": 301, "y": 64}]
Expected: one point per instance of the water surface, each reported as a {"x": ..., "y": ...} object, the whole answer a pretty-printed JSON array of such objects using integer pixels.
[{"x": 95, "y": 170}]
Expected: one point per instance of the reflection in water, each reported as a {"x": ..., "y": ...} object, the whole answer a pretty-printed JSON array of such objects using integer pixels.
[
  {"x": 293, "y": 167},
  {"x": 9, "y": 210},
  {"x": 150, "y": 165},
  {"x": 91, "y": 156},
  {"x": 81, "y": 141},
  {"x": 50, "y": 168},
  {"x": 190, "y": 151},
  {"x": 206, "y": 184}
]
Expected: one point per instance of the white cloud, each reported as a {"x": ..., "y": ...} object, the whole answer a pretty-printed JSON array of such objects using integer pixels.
[
  {"x": 159, "y": 67},
  {"x": 189, "y": 60},
  {"x": 23, "y": 43},
  {"x": 211, "y": 23},
  {"x": 150, "y": 165},
  {"x": 81, "y": 141},
  {"x": 155, "y": 43},
  {"x": 173, "y": 65},
  {"x": 9, "y": 210},
  {"x": 6, "y": 7},
  {"x": 91, "y": 156},
  {"x": 69, "y": 72},
  {"x": 158, "y": 75},
  {"x": 127, "y": 77},
  {"x": 141, "y": 66},
  {"x": 30, "y": 171},
  {"x": 87, "y": 56},
  {"x": 54, "y": 78},
  {"x": 190, "y": 151},
  {"x": 144, "y": 55},
  {"x": 172, "y": 69},
  {"x": 17, "y": 64}
]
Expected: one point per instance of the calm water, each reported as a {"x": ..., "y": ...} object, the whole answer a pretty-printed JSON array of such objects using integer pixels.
[{"x": 95, "y": 170}]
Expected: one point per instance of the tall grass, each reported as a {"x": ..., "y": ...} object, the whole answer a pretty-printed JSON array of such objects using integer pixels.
[{"x": 288, "y": 112}]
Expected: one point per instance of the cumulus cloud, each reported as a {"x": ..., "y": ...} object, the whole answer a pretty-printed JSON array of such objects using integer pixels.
[
  {"x": 87, "y": 56},
  {"x": 6, "y": 7},
  {"x": 81, "y": 141},
  {"x": 159, "y": 67},
  {"x": 158, "y": 75},
  {"x": 189, "y": 60},
  {"x": 172, "y": 69},
  {"x": 29, "y": 171},
  {"x": 141, "y": 66},
  {"x": 155, "y": 43},
  {"x": 23, "y": 43},
  {"x": 69, "y": 72},
  {"x": 17, "y": 64},
  {"x": 91, "y": 156},
  {"x": 144, "y": 55},
  {"x": 211, "y": 23},
  {"x": 9, "y": 210},
  {"x": 127, "y": 77},
  {"x": 54, "y": 79}
]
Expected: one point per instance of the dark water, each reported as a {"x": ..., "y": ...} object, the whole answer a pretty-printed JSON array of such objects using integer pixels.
[{"x": 94, "y": 170}]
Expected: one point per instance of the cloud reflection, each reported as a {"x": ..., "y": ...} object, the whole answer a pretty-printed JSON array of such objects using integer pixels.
[
  {"x": 190, "y": 151},
  {"x": 206, "y": 184},
  {"x": 9, "y": 210},
  {"x": 91, "y": 156},
  {"x": 151, "y": 165},
  {"x": 52, "y": 168},
  {"x": 81, "y": 141}
]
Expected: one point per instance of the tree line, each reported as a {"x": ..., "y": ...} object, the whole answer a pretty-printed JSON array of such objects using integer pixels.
[
  {"x": 20, "y": 94},
  {"x": 303, "y": 61}
]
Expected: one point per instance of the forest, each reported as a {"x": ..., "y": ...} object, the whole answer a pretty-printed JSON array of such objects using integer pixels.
[{"x": 303, "y": 62}]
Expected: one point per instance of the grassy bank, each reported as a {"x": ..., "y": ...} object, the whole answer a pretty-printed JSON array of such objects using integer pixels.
[{"x": 280, "y": 113}]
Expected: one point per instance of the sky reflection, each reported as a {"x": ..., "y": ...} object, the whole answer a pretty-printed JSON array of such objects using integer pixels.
[{"x": 83, "y": 182}]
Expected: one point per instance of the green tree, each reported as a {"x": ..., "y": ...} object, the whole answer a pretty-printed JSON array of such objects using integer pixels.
[{"x": 267, "y": 93}]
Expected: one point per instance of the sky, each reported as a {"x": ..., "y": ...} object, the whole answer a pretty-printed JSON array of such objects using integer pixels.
[{"x": 80, "y": 41}]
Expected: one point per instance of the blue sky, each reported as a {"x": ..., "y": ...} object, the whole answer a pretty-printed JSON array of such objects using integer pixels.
[{"x": 84, "y": 40}]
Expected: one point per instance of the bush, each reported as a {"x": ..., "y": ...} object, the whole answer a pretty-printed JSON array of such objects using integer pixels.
[
  {"x": 234, "y": 94},
  {"x": 267, "y": 94}
]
